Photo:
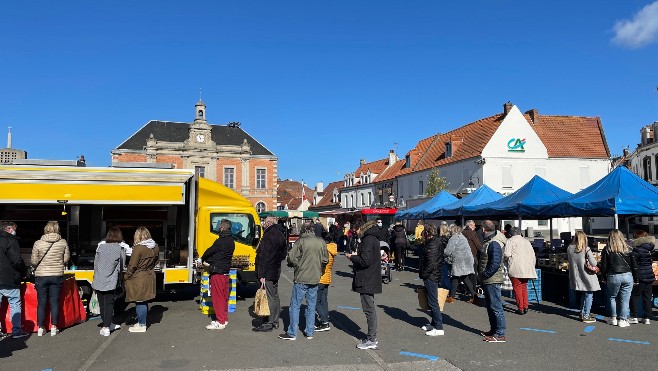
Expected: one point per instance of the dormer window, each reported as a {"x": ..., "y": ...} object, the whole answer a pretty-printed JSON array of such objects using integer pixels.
[
  {"x": 407, "y": 163},
  {"x": 448, "y": 149}
]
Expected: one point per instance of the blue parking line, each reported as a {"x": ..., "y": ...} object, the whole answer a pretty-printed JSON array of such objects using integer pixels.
[
  {"x": 538, "y": 330},
  {"x": 426, "y": 356},
  {"x": 600, "y": 318},
  {"x": 47, "y": 369},
  {"x": 630, "y": 341},
  {"x": 95, "y": 317},
  {"x": 352, "y": 308},
  {"x": 589, "y": 328}
]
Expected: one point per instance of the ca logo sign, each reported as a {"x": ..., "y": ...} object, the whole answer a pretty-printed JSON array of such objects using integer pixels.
[{"x": 516, "y": 145}]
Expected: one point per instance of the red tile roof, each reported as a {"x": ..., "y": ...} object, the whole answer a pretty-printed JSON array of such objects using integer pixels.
[
  {"x": 328, "y": 194},
  {"x": 375, "y": 167},
  {"x": 572, "y": 136},
  {"x": 391, "y": 172}
]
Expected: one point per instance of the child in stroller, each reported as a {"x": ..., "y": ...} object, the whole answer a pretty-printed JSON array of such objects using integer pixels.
[{"x": 385, "y": 267}]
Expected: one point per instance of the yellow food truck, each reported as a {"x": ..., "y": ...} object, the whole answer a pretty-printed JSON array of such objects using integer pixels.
[{"x": 181, "y": 210}]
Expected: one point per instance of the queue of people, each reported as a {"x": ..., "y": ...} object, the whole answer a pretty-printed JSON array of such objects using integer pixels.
[{"x": 449, "y": 256}]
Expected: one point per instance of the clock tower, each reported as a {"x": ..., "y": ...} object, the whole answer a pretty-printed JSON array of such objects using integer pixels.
[{"x": 200, "y": 130}]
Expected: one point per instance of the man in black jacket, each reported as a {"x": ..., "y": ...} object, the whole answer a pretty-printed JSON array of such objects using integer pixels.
[
  {"x": 271, "y": 252},
  {"x": 12, "y": 269},
  {"x": 367, "y": 279},
  {"x": 218, "y": 260}
]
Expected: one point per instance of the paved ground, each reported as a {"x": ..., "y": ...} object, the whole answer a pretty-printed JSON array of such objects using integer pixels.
[{"x": 548, "y": 337}]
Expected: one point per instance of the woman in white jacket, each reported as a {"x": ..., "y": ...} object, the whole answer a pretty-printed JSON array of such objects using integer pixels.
[{"x": 521, "y": 261}]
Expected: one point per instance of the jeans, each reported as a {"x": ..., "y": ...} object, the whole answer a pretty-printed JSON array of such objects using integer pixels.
[
  {"x": 368, "y": 305},
  {"x": 620, "y": 284},
  {"x": 494, "y": 305},
  {"x": 219, "y": 292},
  {"x": 586, "y": 303},
  {"x": 322, "y": 306},
  {"x": 106, "y": 305},
  {"x": 431, "y": 288},
  {"x": 641, "y": 292},
  {"x": 299, "y": 291},
  {"x": 48, "y": 289},
  {"x": 142, "y": 309},
  {"x": 520, "y": 287},
  {"x": 273, "y": 302},
  {"x": 13, "y": 294},
  {"x": 444, "y": 282}
]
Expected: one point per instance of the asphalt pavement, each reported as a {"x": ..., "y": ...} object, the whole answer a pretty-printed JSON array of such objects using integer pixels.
[{"x": 548, "y": 337}]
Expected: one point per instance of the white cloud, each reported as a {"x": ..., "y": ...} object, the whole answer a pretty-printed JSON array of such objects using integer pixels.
[{"x": 639, "y": 31}]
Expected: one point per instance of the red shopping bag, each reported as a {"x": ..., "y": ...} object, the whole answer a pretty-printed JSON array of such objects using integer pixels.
[{"x": 71, "y": 308}]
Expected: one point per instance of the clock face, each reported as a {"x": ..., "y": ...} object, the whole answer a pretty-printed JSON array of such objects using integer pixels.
[{"x": 200, "y": 138}]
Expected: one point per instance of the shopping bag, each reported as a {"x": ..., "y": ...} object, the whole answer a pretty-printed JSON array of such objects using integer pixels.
[
  {"x": 507, "y": 283},
  {"x": 261, "y": 305},
  {"x": 442, "y": 295},
  {"x": 94, "y": 308}
]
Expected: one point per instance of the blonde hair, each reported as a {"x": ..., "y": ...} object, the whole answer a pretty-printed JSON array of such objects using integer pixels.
[
  {"x": 580, "y": 241},
  {"x": 141, "y": 234},
  {"x": 51, "y": 227},
  {"x": 455, "y": 229},
  {"x": 616, "y": 242},
  {"x": 444, "y": 230}
]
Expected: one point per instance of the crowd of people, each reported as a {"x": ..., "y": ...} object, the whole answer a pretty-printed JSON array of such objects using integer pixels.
[{"x": 480, "y": 258}]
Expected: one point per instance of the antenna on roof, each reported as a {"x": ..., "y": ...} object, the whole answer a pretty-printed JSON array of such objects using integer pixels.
[
  {"x": 395, "y": 144},
  {"x": 199, "y": 93}
]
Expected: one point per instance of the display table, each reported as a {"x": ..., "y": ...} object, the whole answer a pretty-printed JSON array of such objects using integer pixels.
[{"x": 71, "y": 308}]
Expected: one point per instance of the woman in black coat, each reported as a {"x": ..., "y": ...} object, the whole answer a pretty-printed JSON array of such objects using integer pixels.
[
  {"x": 643, "y": 247},
  {"x": 367, "y": 279},
  {"x": 430, "y": 273}
]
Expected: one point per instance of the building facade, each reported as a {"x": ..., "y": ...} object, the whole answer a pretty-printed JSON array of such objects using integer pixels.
[
  {"x": 222, "y": 153},
  {"x": 8, "y": 155}
]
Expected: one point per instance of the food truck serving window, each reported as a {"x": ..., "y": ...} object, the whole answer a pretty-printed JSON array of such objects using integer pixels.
[{"x": 242, "y": 229}]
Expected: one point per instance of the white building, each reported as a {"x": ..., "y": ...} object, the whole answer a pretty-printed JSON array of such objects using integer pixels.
[
  {"x": 359, "y": 188},
  {"x": 505, "y": 151},
  {"x": 643, "y": 161}
]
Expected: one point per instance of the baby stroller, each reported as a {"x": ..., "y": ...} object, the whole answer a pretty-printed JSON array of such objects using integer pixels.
[{"x": 385, "y": 267}]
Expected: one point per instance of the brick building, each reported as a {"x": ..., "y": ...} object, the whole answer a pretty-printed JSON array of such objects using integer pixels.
[{"x": 223, "y": 153}]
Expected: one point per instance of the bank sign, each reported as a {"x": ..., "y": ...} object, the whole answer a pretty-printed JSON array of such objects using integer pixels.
[{"x": 516, "y": 145}]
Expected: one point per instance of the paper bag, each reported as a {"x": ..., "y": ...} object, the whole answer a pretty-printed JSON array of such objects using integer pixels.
[{"x": 261, "y": 305}]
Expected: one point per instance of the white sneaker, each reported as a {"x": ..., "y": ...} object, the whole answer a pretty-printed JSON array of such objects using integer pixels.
[
  {"x": 435, "y": 332},
  {"x": 215, "y": 325},
  {"x": 137, "y": 328},
  {"x": 612, "y": 321},
  {"x": 646, "y": 321},
  {"x": 623, "y": 323},
  {"x": 53, "y": 331},
  {"x": 41, "y": 331},
  {"x": 105, "y": 331},
  {"x": 426, "y": 327},
  {"x": 114, "y": 327},
  {"x": 633, "y": 321}
]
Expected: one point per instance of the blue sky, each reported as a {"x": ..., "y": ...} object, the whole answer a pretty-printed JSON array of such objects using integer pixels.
[{"x": 322, "y": 84}]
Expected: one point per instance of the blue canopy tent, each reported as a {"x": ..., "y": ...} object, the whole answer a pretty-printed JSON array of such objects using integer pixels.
[
  {"x": 528, "y": 202},
  {"x": 422, "y": 210},
  {"x": 619, "y": 193},
  {"x": 482, "y": 195}
]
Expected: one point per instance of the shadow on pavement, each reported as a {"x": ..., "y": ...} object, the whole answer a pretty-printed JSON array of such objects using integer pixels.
[
  {"x": 344, "y": 274},
  {"x": 345, "y": 324},
  {"x": 8, "y": 345},
  {"x": 399, "y": 314}
]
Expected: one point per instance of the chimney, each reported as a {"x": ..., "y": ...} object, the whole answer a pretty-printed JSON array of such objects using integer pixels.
[
  {"x": 362, "y": 161},
  {"x": 625, "y": 152},
  {"x": 392, "y": 158},
  {"x": 455, "y": 142},
  {"x": 319, "y": 187},
  {"x": 507, "y": 107},
  {"x": 534, "y": 115}
]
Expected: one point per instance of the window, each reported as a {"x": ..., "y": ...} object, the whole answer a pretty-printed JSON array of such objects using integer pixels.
[
  {"x": 584, "y": 177},
  {"x": 448, "y": 149},
  {"x": 260, "y": 178},
  {"x": 229, "y": 177},
  {"x": 200, "y": 171},
  {"x": 646, "y": 167},
  {"x": 242, "y": 226},
  {"x": 369, "y": 198},
  {"x": 260, "y": 207},
  {"x": 421, "y": 189},
  {"x": 507, "y": 177},
  {"x": 351, "y": 201},
  {"x": 407, "y": 161},
  {"x": 542, "y": 223}
]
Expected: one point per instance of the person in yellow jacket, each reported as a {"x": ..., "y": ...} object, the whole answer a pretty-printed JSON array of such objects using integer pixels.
[
  {"x": 322, "y": 304},
  {"x": 418, "y": 233}
]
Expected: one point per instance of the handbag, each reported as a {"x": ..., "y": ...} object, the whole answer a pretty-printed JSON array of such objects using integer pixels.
[
  {"x": 261, "y": 305},
  {"x": 32, "y": 271},
  {"x": 507, "y": 282},
  {"x": 589, "y": 268},
  {"x": 94, "y": 307}
]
